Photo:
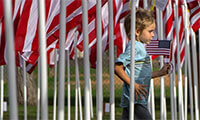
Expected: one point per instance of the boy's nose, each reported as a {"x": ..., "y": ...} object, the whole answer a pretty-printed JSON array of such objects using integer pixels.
[{"x": 153, "y": 34}]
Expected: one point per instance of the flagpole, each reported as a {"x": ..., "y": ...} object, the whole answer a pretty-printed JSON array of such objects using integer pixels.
[
  {"x": 174, "y": 85},
  {"x": 111, "y": 61},
  {"x": 25, "y": 90},
  {"x": 180, "y": 89},
  {"x": 42, "y": 42},
  {"x": 68, "y": 87},
  {"x": 55, "y": 85},
  {"x": 172, "y": 97},
  {"x": 2, "y": 91},
  {"x": 78, "y": 91},
  {"x": 91, "y": 102},
  {"x": 145, "y": 4},
  {"x": 194, "y": 61},
  {"x": 38, "y": 89},
  {"x": 99, "y": 83},
  {"x": 190, "y": 74},
  {"x": 185, "y": 17},
  {"x": 199, "y": 63},
  {"x": 86, "y": 61},
  {"x": 9, "y": 31},
  {"x": 132, "y": 82},
  {"x": 152, "y": 97},
  {"x": 162, "y": 80},
  {"x": 62, "y": 35}
]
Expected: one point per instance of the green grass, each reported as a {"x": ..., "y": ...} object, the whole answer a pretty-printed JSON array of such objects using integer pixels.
[{"x": 32, "y": 109}]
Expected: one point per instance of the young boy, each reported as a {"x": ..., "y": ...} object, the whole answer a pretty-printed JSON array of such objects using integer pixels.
[{"x": 145, "y": 26}]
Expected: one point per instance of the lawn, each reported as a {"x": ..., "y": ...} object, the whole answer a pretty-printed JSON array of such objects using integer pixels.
[{"x": 32, "y": 109}]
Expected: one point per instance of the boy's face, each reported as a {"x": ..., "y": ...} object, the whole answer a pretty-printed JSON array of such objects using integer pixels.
[{"x": 147, "y": 34}]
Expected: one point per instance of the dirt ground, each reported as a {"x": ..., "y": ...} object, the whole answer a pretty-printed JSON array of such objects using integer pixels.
[
  {"x": 119, "y": 82},
  {"x": 156, "y": 80}
]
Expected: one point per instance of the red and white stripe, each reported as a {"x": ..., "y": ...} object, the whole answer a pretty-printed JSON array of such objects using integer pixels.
[
  {"x": 194, "y": 8},
  {"x": 181, "y": 39}
]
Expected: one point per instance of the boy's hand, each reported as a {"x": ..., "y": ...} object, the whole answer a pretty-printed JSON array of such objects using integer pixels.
[
  {"x": 140, "y": 90},
  {"x": 165, "y": 69}
]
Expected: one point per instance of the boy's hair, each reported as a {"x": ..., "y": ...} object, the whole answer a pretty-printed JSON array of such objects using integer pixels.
[{"x": 144, "y": 18}]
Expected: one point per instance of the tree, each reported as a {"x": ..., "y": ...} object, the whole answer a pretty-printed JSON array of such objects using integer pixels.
[{"x": 31, "y": 88}]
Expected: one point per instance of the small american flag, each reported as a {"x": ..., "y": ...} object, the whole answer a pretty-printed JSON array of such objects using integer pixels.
[{"x": 158, "y": 47}]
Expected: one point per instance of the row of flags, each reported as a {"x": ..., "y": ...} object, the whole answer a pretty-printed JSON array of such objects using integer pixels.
[{"x": 25, "y": 19}]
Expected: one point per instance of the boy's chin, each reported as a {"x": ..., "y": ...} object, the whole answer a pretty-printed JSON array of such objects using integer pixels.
[{"x": 147, "y": 43}]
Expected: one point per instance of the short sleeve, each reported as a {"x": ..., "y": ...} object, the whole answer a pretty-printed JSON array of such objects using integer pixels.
[{"x": 125, "y": 58}]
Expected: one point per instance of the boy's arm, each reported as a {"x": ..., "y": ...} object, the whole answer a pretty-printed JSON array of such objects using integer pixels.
[
  {"x": 119, "y": 71},
  {"x": 163, "y": 71},
  {"x": 139, "y": 88}
]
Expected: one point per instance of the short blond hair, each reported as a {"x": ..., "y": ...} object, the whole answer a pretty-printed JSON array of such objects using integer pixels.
[{"x": 144, "y": 18}]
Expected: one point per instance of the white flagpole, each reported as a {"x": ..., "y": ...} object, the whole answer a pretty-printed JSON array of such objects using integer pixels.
[
  {"x": 55, "y": 86},
  {"x": 172, "y": 97},
  {"x": 80, "y": 98},
  {"x": 188, "y": 59},
  {"x": 2, "y": 91},
  {"x": 194, "y": 61},
  {"x": 199, "y": 63},
  {"x": 77, "y": 79},
  {"x": 99, "y": 84},
  {"x": 185, "y": 18},
  {"x": 42, "y": 42},
  {"x": 180, "y": 89},
  {"x": 190, "y": 75},
  {"x": 162, "y": 80},
  {"x": 132, "y": 82},
  {"x": 111, "y": 61},
  {"x": 91, "y": 102},
  {"x": 151, "y": 97},
  {"x": 62, "y": 35},
  {"x": 25, "y": 90},
  {"x": 13, "y": 109},
  {"x": 38, "y": 90},
  {"x": 174, "y": 87},
  {"x": 86, "y": 61},
  {"x": 145, "y": 3},
  {"x": 68, "y": 87},
  {"x": 78, "y": 90}
]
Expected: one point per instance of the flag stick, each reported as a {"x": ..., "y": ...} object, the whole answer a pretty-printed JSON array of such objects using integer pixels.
[
  {"x": 194, "y": 61},
  {"x": 78, "y": 89},
  {"x": 25, "y": 90},
  {"x": 68, "y": 87},
  {"x": 199, "y": 63},
  {"x": 55, "y": 86},
  {"x": 62, "y": 35},
  {"x": 180, "y": 89},
  {"x": 162, "y": 80},
  {"x": 77, "y": 78},
  {"x": 132, "y": 82},
  {"x": 91, "y": 102},
  {"x": 86, "y": 61},
  {"x": 152, "y": 97},
  {"x": 2, "y": 91},
  {"x": 111, "y": 61},
  {"x": 185, "y": 17},
  {"x": 9, "y": 31},
  {"x": 42, "y": 43},
  {"x": 99, "y": 83},
  {"x": 190, "y": 75},
  {"x": 38, "y": 90}
]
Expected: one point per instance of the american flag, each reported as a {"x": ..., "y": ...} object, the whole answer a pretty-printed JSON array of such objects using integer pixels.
[
  {"x": 159, "y": 47},
  {"x": 194, "y": 8}
]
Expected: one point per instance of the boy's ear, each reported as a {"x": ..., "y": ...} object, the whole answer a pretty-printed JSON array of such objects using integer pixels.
[{"x": 137, "y": 32}]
